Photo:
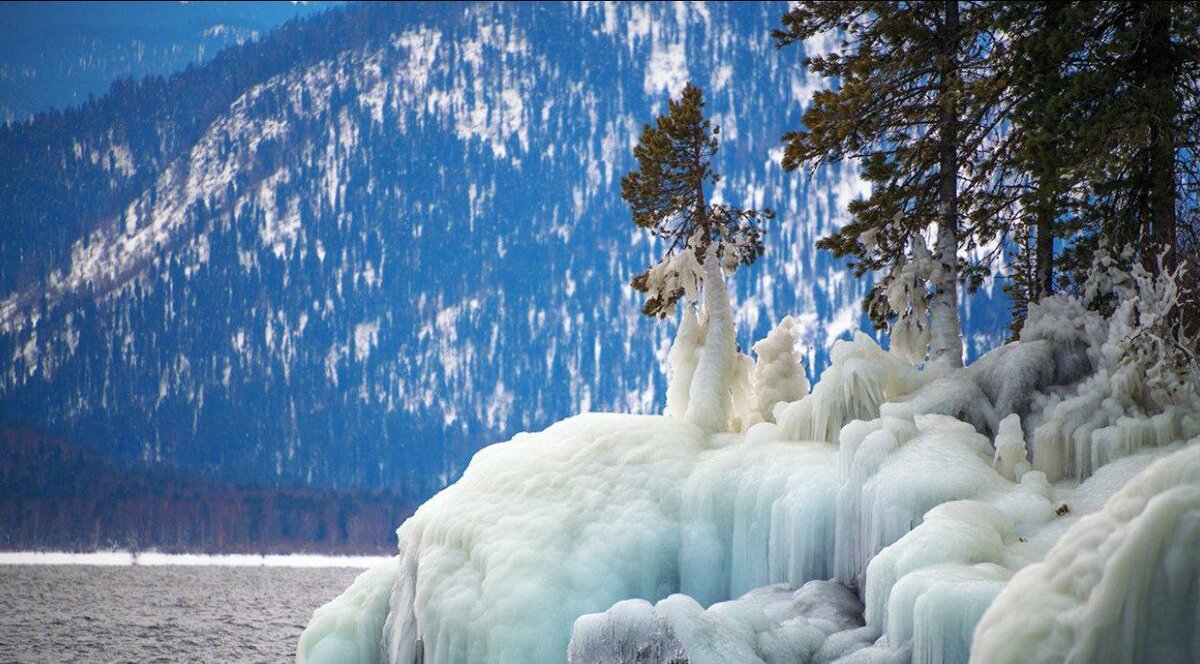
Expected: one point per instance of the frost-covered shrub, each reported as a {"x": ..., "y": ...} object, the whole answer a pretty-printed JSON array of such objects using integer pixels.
[
  {"x": 908, "y": 298},
  {"x": 1146, "y": 385},
  {"x": 778, "y": 373},
  {"x": 1155, "y": 345}
]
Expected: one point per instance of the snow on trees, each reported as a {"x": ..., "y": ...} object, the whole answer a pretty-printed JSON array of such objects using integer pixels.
[{"x": 910, "y": 101}]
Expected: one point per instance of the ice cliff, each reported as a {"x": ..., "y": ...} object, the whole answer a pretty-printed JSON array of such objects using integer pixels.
[{"x": 1041, "y": 504}]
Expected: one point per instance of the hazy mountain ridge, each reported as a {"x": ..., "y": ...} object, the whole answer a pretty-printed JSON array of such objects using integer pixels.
[
  {"x": 55, "y": 495},
  {"x": 52, "y": 56},
  {"x": 416, "y": 246}
]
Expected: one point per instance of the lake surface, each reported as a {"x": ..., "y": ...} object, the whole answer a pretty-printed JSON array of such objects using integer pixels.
[{"x": 84, "y": 613}]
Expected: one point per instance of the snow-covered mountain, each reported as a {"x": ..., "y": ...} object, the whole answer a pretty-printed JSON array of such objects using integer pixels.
[{"x": 358, "y": 250}]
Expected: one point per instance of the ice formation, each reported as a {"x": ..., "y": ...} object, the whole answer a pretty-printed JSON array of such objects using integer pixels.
[
  {"x": 348, "y": 629},
  {"x": 1121, "y": 585},
  {"x": 1041, "y": 504},
  {"x": 682, "y": 362},
  {"x": 778, "y": 624},
  {"x": 710, "y": 396},
  {"x": 778, "y": 373}
]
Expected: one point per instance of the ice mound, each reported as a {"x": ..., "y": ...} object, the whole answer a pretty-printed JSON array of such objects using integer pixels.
[
  {"x": 928, "y": 589},
  {"x": 776, "y": 624},
  {"x": 540, "y": 530},
  {"x": 571, "y": 520},
  {"x": 756, "y": 513},
  {"x": 1121, "y": 585},
  {"x": 1043, "y": 497}
]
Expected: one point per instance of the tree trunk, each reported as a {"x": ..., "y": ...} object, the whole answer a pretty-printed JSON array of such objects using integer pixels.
[
  {"x": 710, "y": 399},
  {"x": 1044, "y": 259},
  {"x": 1159, "y": 64},
  {"x": 946, "y": 340}
]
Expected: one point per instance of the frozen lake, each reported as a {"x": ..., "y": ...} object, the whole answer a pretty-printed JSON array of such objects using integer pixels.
[{"x": 194, "y": 613}]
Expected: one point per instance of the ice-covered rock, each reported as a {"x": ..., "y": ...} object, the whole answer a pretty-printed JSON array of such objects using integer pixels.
[{"x": 1121, "y": 585}]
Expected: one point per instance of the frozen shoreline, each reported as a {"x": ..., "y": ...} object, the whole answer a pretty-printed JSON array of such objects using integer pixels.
[{"x": 153, "y": 558}]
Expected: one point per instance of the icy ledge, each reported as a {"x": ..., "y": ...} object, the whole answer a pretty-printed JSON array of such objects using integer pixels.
[
  {"x": 604, "y": 537},
  {"x": 1121, "y": 585}
]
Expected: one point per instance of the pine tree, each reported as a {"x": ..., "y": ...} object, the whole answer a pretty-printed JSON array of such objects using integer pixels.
[
  {"x": 703, "y": 242},
  {"x": 667, "y": 196},
  {"x": 1135, "y": 82},
  {"x": 1023, "y": 285},
  {"x": 912, "y": 106},
  {"x": 1028, "y": 173}
]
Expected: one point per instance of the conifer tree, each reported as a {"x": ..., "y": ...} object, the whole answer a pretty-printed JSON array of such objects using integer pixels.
[
  {"x": 1027, "y": 174},
  {"x": 911, "y": 104},
  {"x": 1135, "y": 79},
  {"x": 667, "y": 196}
]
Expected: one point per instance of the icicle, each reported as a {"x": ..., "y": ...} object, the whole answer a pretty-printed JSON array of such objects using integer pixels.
[{"x": 682, "y": 361}]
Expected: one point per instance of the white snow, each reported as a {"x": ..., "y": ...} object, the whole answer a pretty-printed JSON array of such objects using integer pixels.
[
  {"x": 366, "y": 337},
  {"x": 667, "y": 70}
]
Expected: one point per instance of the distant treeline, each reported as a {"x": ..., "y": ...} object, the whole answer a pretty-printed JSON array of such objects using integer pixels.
[{"x": 58, "y": 496}]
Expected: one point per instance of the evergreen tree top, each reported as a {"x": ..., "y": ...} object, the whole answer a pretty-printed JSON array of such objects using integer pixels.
[{"x": 667, "y": 195}]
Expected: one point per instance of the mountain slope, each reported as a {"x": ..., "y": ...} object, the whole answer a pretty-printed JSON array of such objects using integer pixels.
[{"x": 372, "y": 262}]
